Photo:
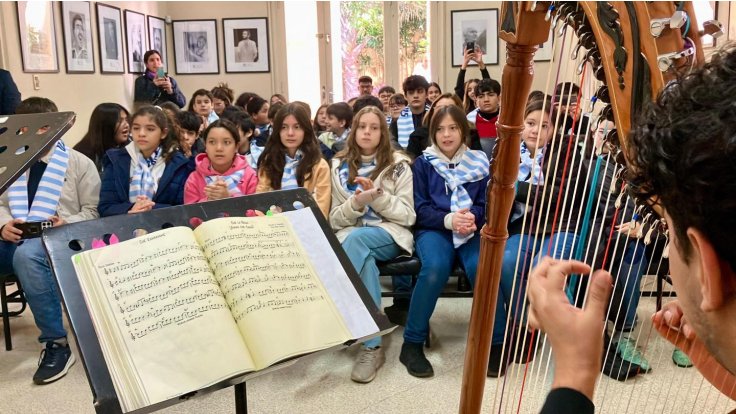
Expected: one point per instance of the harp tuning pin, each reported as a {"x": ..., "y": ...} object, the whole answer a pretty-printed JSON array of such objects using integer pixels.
[
  {"x": 666, "y": 250},
  {"x": 665, "y": 61},
  {"x": 593, "y": 100},
  {"x": 620, "y": 199},
  {"x": 657, "y": 26},
  {"x": 648, "y": 237},
  {"x": 712, "y": 28},
  {"x": 549, "y": 12}
]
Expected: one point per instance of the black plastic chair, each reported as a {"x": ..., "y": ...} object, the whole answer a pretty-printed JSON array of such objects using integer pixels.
[{"x": 5, "y": 299}]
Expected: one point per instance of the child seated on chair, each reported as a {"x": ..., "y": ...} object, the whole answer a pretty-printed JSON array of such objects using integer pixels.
[
  {"x": 220, "y": 172},
  {"x": 62, "y": 187},
  {"x": 450, "y": 183},
  {"x": 372, "y": 212},
  {"x": 339, "y": 119}
]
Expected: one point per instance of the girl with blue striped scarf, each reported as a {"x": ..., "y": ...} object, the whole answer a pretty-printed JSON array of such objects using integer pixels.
[
  {"x": 372, "y": 212},
  {"x": 293, "y": 159},
  {"x": 147, "y": 173},
  {"x": 450, "y": 183}
]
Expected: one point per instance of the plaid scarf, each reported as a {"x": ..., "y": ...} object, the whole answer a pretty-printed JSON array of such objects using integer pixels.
[
  {"x": 47, "y": 196},
  {"x": 473, "y": 166},
  {"x": 288, "y": 178},
  {"x": 370, "y": 217},
  {"x": 142, "y": 182}
]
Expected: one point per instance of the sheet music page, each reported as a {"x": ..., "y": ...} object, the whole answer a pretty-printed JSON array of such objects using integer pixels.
[
  {"x": 330, "y": 271},
  {"x": 275, "y": 296},
  {"x": 172, "y": 327}
]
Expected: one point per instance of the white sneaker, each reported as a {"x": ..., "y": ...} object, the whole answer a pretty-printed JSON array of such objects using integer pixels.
[{"x": 367, "y": 364}]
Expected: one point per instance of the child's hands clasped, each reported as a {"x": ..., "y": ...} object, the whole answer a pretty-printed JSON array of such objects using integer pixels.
[
  {"x": 463, "y": 222},
  {"x": 142, "y": 204},
  {"x": 216, "y": 191}
]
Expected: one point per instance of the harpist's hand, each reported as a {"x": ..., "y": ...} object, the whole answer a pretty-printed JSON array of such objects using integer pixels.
[
  {"x": 672, "y": 324},
  {"x": 576, "y": 334}
]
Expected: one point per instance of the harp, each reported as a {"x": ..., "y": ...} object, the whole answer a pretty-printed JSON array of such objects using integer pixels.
[{"x": 623, "y": 54}]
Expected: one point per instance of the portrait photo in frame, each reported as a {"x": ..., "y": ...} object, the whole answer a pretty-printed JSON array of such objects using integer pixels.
[
  {"x": 479, "y": 27},
  {"x": 110, "y": 39},
  {"x": 37, "y": 33},
  {"x": 157, "y": 38},
  {"x": 246, "y": 45},
  {"x": 76, "y": 19},
  {"x": 135, "y": 40},
  {"x": 195, "y": 46}
]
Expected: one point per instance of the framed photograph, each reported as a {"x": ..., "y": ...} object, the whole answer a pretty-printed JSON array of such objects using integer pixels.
[
  {"x": 246, "y": 45},
  {"x": 37, "y": 36},
  {"x": 544, "y": 53},
  {"x": 157, "y": 38},
  {"x": 195, "y": 46},
  {"x": 110, "y": 39},
  {"x": 76, "y": 19},
  {"x": 477, "y": 28},
  {"x": 135, "y": 40}
]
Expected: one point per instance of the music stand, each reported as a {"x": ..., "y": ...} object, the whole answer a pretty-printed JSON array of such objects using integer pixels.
[
  {"x": 63, "y": 242},
  {"x": 26, "y": 138}
]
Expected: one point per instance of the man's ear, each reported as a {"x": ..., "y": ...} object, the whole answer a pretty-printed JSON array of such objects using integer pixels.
[{"x": 714, "y": 271}]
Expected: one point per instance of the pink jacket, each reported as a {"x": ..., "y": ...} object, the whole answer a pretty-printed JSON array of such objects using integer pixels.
[{"x": 194, "y": 187}]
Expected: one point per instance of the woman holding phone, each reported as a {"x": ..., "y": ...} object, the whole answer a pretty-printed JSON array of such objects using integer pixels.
[{"x": 155, "y": 86}]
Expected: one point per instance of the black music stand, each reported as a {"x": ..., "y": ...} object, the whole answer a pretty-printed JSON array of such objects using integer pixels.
[
  {"x": 26, "y": 138},
  {"x": 63, "y": 242}
]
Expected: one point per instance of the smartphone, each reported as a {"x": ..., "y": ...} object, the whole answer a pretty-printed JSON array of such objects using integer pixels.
[
  {"x": 160, "y": 73},
  {"x": 470, "y": 46},
  {"x": 33, "y": 229}
]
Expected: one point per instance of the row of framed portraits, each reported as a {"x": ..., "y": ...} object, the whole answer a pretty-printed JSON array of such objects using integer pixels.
[{"x": 195, "y": 41}]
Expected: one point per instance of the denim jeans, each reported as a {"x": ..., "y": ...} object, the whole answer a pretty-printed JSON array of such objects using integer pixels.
[
  {"x": 510, "y": 296},
  {"x": 438, "y": 254},
  {"x": 627, "y": 291},
  {"x": 34, "y": 272},
  {"x": 365, "y": 245}
]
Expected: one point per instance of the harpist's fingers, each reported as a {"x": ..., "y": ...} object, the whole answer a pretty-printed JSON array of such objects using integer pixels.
[
  {"x": 600, "y": 291},
  {"x": 560, "y": 270}
]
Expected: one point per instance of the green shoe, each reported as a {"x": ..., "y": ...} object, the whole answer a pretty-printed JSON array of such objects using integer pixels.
[
  {"x": 681, "y": 359},
  {"x": 629, "y": 352}
]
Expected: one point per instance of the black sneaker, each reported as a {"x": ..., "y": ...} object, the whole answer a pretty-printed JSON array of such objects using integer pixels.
[
  {"x": 616, "y": 367},
  {"x": 398, "y": 312},
  {"x": 412, "y": 356},
  {"x": 496, "y": 365},
  {"x": 54, "y": 363}
]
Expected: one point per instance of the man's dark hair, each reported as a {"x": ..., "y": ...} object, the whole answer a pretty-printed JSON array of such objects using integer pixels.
[
  {"x": 364, "y": 79},
  {"x": 274, "y": 109},
  {"x": 564, "y": 89},
  {"x": 366, "y": 100},
  {"x": 188, "y": 120},
  {"x": 535, "y": 96},
  {"x": 487, "y": 85},
  {"x": 36, "y": 105},
  {"x": 389, "y": 89},
  {"x": 682, "y": 152},
  {"x": 232, "y": 109},
  {"x": 342, "y": 112},
  {"x": 240, "y": 119},
  {"x": 148, "y": 54},
  {"x": 414, "y": 83}
]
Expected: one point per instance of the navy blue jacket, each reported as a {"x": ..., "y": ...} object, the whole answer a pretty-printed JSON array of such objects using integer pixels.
[
  {"x": 114, "y": 195},
  {"x": 432, "y": 202},
  {"x": 146, "y": 91},
  {"x": 9, "y": 94}
]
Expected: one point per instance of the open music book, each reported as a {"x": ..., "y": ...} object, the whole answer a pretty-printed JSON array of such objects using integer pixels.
[{"x": 179, "y": 309}]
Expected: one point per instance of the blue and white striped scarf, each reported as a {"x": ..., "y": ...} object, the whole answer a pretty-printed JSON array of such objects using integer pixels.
[
  {"x": 46, "y": 200},
  {"x": 388, "y": 119},
  {"x": 525, "y": 167},
  {"x": 142, "y": 182},
  {"x": 231, "y": 180},
  {"x": 255, "y": 153},
  {"x": 472, "y": 116},
  {"x": 473, "y": 166},
  {"x": 405, "y": 125},
  {"x": 288, "y": 178},
  {"x": 370, "y": 218}
]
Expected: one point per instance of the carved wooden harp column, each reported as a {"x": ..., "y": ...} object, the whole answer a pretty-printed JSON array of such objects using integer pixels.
[{"x": 634, "y": 49}]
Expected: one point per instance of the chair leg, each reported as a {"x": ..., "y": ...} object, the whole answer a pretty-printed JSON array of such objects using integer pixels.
[{"x": 6, "y": 317}]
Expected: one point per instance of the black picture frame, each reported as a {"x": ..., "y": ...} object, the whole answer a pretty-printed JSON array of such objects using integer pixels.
[
  {"x": 135, "y": 40},
  {"x": 110, "y": 46},
  {"x": 484, "y": 22},
  {"x": 75, "y": 63},
  {"x": 154, "y": 24},
  {"x": 236, "y": 62},
  {"x": 193, "y": 51}
]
